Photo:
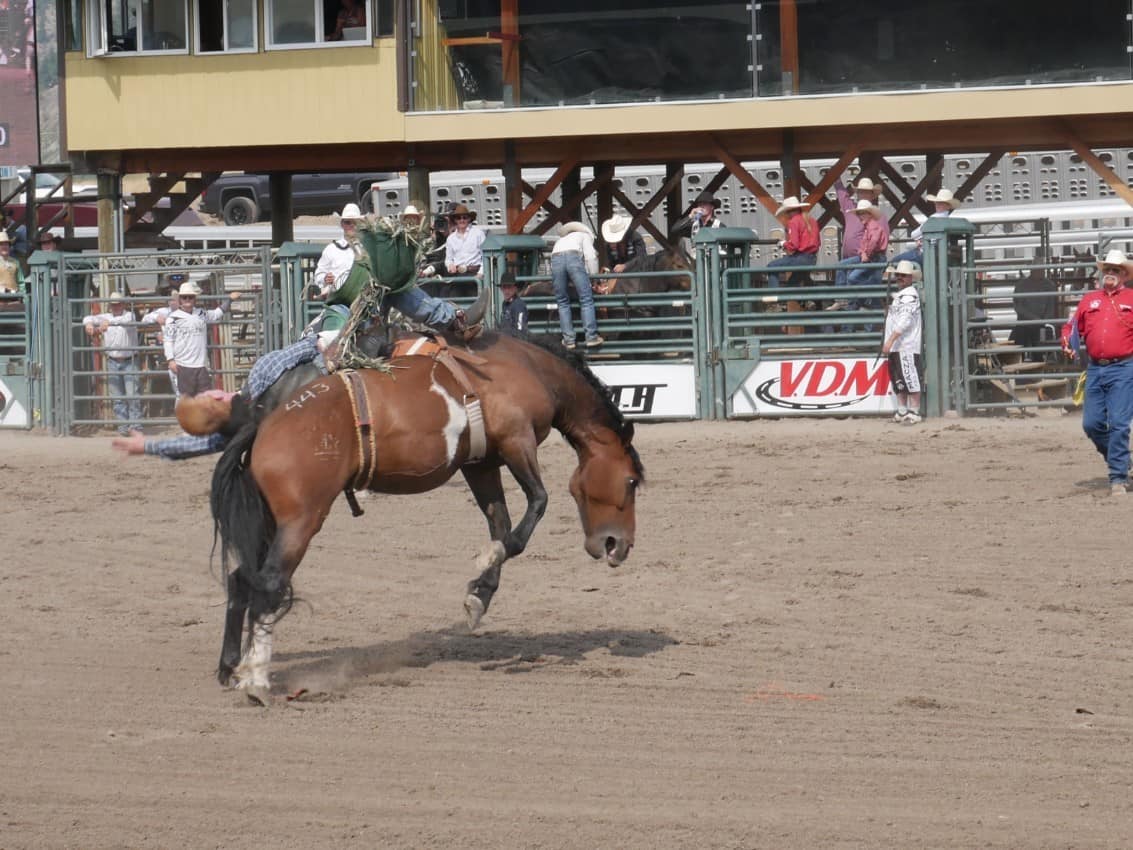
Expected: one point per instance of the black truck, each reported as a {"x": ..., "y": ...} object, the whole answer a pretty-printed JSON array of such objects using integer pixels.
[{"x": 246, "y": 198}]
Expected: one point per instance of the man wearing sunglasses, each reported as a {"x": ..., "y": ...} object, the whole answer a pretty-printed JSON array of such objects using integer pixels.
[{"x": 462, "y": 248}]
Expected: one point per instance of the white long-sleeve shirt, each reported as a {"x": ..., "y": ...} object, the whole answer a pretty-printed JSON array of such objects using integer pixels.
[
  {"x": 580, "y": 242},
  {"x": 337, "y": 259},
  {"x": 904, "y": 319},
  {"x": 120, "y": 339},
  {"x": 186, "y": 334},
  {"x": 465, "y": 250}
]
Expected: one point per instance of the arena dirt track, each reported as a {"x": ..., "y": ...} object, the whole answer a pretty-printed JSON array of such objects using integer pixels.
[{"x": 830, "y": 634}]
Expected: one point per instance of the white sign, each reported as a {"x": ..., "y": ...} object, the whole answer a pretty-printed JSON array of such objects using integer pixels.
[
  {"x": 647, "y": 391},
  {"x": 12, "y": 413},
  {"x": 835, "y": 385}
]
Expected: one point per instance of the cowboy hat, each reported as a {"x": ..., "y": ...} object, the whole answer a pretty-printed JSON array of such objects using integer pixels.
[
  {"x": 865, "y": 206},
  {"x": 461, "y": 209},
  {"x": 944, "y": 196},
  {"x": 792, "y": 203},
  {"x": 507, "y": 279},
  {"x": 615, "y": 228},
  {"x": 350, "y": 212},
  {"x": 866, "y": 185},
  {"x": 411, "y": 209},
  {"x": 1117, "y": 258},
  {"x": 575, "y": 227},
  {"x": 4, "y": 237},
  {"x": 908, "y": 267},
  {"x": 706, "y": 197},
  {"x": 117, "y": 296},
  {"x": 189, "y": 288}
]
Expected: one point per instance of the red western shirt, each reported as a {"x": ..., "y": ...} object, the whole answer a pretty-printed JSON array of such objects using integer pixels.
[
  {"x": 1105, "y": 322},
  {"x": 802, "y": 235}
]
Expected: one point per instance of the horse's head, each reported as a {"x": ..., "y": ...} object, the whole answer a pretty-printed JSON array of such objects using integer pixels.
[{"x": 605, "y": 488}]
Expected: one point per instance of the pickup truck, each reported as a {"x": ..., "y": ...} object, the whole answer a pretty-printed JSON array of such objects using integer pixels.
[{"x": 246, "y": 198}]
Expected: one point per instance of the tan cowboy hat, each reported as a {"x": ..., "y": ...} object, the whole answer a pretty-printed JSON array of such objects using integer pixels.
[
  {"x": 410, "y": 209},
  {"x": 189, "y": 288},
  {"x": 576, "y": 227},
  {"x": 117, "y": 296},
  {"x": 792, "y": 203},
  {"x": 615, "y": 228},
  {"x": 944, "y": 196},
  {"x": 866, "y": 185},
  {"x": 1117, "y": 258},
  {"x": 865, "y": 206},
  {"x": 908, "y": 267},
  {"x": 461, "y": 209},
  {"x": 4, "y": 237}
]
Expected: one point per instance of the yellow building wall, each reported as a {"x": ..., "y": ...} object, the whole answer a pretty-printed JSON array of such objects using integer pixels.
[
  {"x": 436, "y": 88},
  {"x": 279, "y": 97}
]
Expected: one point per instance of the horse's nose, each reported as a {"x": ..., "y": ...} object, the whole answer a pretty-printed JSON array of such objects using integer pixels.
[{"x": 614, "y": 548}]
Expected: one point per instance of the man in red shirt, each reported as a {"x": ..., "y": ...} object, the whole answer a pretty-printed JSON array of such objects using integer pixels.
[
  {"x": 802, "y": 242},
  {"x": 1104, "y": 321}
]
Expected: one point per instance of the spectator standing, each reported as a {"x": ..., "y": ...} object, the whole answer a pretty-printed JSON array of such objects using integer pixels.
[
  {"x": 119, "y": 333},
  {"x": 944, "y": 203},
  {"x": 338, "y": 257},
  {"x": 1104, "y": 321},
  {"x": 703, "y": 214},
  {"x": 573, "y": 260},
  {"x": 902, "y": 344},
  {"x": 803, "y": 240},
  {"x": 622, "y": 243},
  {"x": 463, "y": 247},
  {"x": 11, "y": 272},
  {"x": 186, "y": 339},
  {"x": 871, "y": 249},
  {"x": 513, "y": 314}
]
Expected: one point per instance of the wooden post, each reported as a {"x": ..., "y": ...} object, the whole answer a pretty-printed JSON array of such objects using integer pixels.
[
  {"x": 110, "y": 236},
  {"x": 605, "y": 204},
  {"x": 789, "y": 46},
  {"x": 282, "y": 220},
  {"x": 513, "y": 189},
  {"x": 509, "y": 50},
  {"x": 418, "y": 189},
  {"x": 572, "y": 185},
  {"x": 674, "y": 200}
]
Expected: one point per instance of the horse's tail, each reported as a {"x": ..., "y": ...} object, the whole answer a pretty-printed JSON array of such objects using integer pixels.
[{"x": 245, "y": 527}]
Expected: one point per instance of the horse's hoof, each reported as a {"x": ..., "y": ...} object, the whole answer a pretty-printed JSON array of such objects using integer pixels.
[
  {"x": 258, "y": 695},
  {"x": 475, "y": 609}
]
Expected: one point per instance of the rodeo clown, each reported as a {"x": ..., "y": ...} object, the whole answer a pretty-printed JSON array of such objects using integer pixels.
[{"x": 902, "y": 343}]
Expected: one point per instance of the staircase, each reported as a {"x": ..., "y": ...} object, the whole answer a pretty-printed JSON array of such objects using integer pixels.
[{"x": 149, "y": 216}]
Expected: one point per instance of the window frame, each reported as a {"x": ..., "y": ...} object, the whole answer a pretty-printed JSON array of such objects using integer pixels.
[
  {"x": 97, "y": 28},
  {"x": 320, "y": 42},
  {"x": 225, "y": 50}
]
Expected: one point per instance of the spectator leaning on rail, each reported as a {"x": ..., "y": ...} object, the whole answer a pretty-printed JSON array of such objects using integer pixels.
[
  {"x": 185, "y": 339},
  {"x": 573, "y": 260},
  {"x": 462, "y": 248},
  {"x": 120, "y": 349},
  {"x": 1104, "y": 320},
  {"x": 852, "y": 225},
  {"x": 874, "y": 243},
  {"x": 800, "y": 248},
  {"x": 622, "y": 243},
  {"x": 902, "y": 344},
  {"x": 944, "y": 203}
]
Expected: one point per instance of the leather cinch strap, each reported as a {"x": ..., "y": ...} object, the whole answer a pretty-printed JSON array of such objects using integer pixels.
[{"x": 363, "y": 427}]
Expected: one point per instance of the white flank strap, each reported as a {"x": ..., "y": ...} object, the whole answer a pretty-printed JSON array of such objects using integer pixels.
[{"x": 477, "y": 439}]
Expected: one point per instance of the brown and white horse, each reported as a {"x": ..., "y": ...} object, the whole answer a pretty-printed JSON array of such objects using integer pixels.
[{"x": 409, "y": 430}]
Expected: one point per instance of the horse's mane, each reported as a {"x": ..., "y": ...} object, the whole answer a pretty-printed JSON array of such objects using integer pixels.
[{"x": 615, "y": 420}]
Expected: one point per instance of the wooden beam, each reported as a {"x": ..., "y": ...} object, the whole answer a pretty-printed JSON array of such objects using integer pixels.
[
  {"x": 647, "y": 224},
  {"x": 1097, "y": 166},
  {"x": 980, "y": 173},
  {"x": 525, "y": 215},
  {"x": 829, "y": 205},
  {"x": 789, "y": 45},
  {"x": 745, "y": 177},
  {"x": 509, "y": 50},
  {"x": 833, "y": 174},
  {"x": 574, "y": 201},
  {"x": 671, "y": 183},
  {"x": 932, "y": 175}
]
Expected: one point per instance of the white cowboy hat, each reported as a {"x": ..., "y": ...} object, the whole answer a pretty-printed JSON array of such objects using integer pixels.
[
  {"x": 615, "y": 228},
  {"x": 1117, "y": 258},
  {"x": 4, "y": 237},
  {"x": 908, "y": 267},
  {"x": 410, "y": 210},
  {"x": 865, "y": 206},
  {"x": 792, "y": 203},
  {"x": 189, "y": 288},
  {"x": 350, "y": 212},
  {"x": 866, "y": 185},
  {"x": 117, "y": 296},
  {"x": 576, "y": 227},
  {"x": 944, "y": 196}
]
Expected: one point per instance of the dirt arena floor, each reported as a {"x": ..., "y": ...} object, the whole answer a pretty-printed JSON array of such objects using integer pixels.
[{"x": 830, "y": 634}]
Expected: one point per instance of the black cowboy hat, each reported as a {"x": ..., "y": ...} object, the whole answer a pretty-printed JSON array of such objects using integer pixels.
[
  {"x": 706, "y": 197},
  {"x": 507, "y": 279}
]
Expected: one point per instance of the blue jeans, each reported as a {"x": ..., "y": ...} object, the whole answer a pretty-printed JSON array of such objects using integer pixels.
[
  {"x": 422, "y": 307},
  {"x": 569, "y": 268},
  {"x": 1107, "y": 413},
  {"x": 789, "y": 260},
  {"x": 123, "y": 381},
  {"x": 916, "y": 255}
]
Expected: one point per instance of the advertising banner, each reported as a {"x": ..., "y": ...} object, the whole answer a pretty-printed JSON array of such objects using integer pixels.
[
  {"x": 841, "y": 386},
  {"x": 647, "y": 391},
  {"x": 19, "y": 142}
]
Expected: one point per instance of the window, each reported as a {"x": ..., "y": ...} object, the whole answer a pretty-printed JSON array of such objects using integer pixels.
[
  {"x": 303, "y": 23},
  {"x": 225, "y": 26},
  {"x": 137, "y": 26}
]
